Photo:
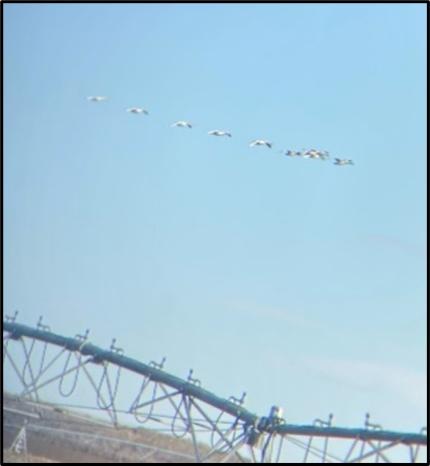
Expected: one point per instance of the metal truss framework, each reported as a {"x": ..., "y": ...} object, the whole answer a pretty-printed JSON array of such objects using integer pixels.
[{"x": 220, "y": 430}]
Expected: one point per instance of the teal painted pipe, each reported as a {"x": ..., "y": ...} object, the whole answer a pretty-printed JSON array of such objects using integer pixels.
[
  {"x": 157, "y": 375},
  {"x": 362, "y": 434}
]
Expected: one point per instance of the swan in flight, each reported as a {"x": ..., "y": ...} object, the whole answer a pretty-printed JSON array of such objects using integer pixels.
[
  {"x": 137, "y": 110},
  {"x": 97, "y": 98},
  {"x": 343, "y": 162},
  {"x": 182, "y": 124},
  {"x": 217, "y": 132},
  {"x": 289, "y": 153},
  {"x": 311, "y": 154},
  {"x": 316, "y": 154},
  {"x": 261, "y": 142}
]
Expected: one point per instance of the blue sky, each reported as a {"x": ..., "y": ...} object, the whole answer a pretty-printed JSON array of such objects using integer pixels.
[{"x": 301, "y": 282}]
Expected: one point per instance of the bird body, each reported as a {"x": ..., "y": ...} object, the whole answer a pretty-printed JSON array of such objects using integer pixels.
[
  {"x": 291, "y": 153},
  {"x": 343, "y": 162},
  {"x": 316, "y": 154},
  {"x": 311, "y": 154},
  {"x": 137, "y": 110},
  {"x": 182, "y": 124},
  {"x": 260, "y": 142},
  {"x": 217, "y": 132},
  {"x": 97, "y": 98}
]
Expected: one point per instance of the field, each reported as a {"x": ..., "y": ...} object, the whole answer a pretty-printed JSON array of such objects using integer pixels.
[{"x": 58, "y": 435}]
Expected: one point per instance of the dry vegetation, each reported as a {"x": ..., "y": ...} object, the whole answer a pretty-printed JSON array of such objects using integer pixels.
[{"x": 49, "y": 440}]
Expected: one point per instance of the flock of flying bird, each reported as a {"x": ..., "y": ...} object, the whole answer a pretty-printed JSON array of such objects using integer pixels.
[{"x": 306, "y": 154}]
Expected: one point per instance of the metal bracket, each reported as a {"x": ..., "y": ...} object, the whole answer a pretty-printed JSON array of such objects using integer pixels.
[
  {"x": 40, "y": 326},
  {"x": 238, "y": 401},
  {"x": 190, "y": 379},
  {"x": 156, "y": 365}
]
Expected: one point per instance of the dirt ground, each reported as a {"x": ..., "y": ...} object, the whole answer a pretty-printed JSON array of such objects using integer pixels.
[
  {"x": 55, "y": 436},
  {"x": 10, "y": 457}
]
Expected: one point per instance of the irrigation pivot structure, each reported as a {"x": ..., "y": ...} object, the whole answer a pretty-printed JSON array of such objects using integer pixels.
[{"x": 129, "y": 392}]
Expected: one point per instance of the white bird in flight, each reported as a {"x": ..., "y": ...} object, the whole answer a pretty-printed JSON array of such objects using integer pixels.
[
  {"x": 311, "y": 154},
  {"x": 97, "y": 98},
  {"x": 343, "y": 162},
  {"x": 182, "y": 124},
  {"x": 217, "y": 132},
  {"x": 261, "y": 142},
  {"x": 137, "y": 110},
  {"x": 316, "y": 154}
]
